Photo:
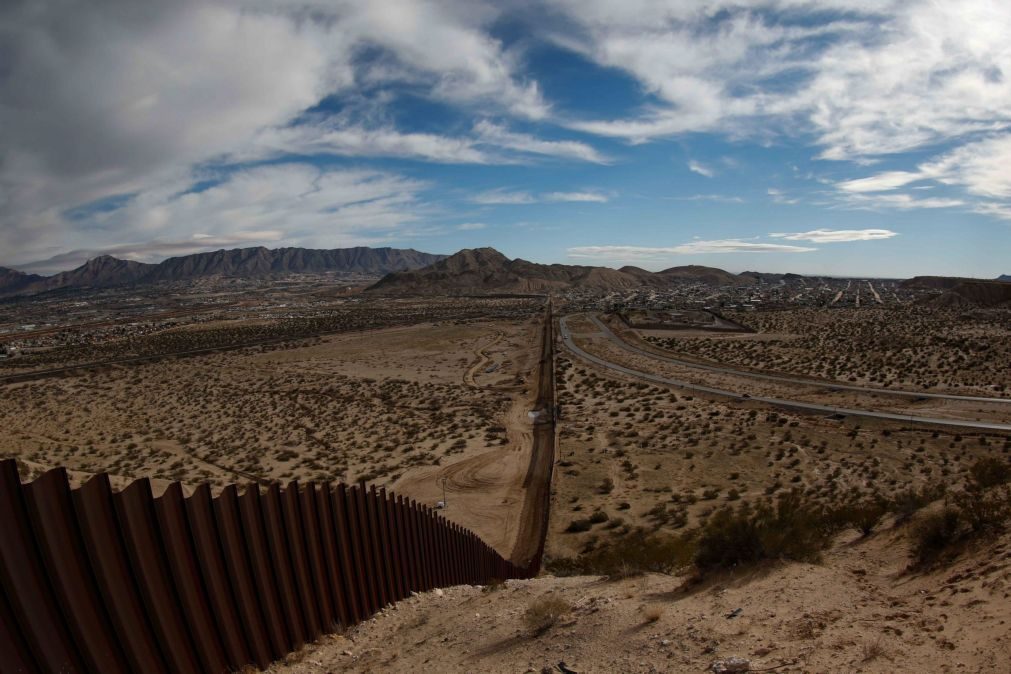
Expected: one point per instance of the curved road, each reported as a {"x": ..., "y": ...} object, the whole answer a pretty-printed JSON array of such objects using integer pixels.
[
  {"x": 789, "y": 380},
  {"x": 779, "y": 402}
]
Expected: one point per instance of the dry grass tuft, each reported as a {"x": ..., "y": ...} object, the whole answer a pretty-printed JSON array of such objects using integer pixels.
[
  {"x": 543, "y": 613},
  {"x": 652, "y": 614}
]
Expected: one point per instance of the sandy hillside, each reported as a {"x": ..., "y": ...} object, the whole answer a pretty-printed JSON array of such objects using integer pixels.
[{"x": 877, "y": 617}]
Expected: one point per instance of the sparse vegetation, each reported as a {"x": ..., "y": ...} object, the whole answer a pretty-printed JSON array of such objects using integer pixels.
[{"x": 544, "y": 612}]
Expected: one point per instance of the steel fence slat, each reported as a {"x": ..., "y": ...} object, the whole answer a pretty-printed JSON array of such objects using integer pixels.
[
  {"x": 134, "y": 510},
  {"x": 317, "y": 565},
  {"x": 385, "y": 544},
  {"x": 213, "y": 567},
  {"x": 284, "y": 569},
  {"x": 171, "y": 516},
  {"x": 24, "y": 584},
  {"x": 297, "y": 545},
  {"x": 371, "y": 568},
  {"x": 226, "y": 514},
  {"x": 50, "y": 508},
  {"x": 15, "y": 656},
  {"x": 263, "y": 573},
  {"x": 349, "y": 554},
  {"x": 331, "y": 557}
]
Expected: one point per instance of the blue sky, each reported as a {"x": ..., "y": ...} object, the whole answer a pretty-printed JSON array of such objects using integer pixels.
[{"x": 843, "y": 137}]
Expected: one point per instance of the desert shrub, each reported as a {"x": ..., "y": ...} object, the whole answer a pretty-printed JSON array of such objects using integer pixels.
[
  {"x": 862, "y": 516},
  {"x": 632, "y": 555},
  {"x": 910, "y": 501},
  {"x": 607, "y": 486},
  {"x": 934, "y": 534},
  {"x": 578, "y": 526},
  {"x": 793, "y": 529},
  {"x": 984, "y": 511},
  {"x": 598, "y": 517},
  {"x": 989, "y": 472},
  {"x": 545, "y": 612}
]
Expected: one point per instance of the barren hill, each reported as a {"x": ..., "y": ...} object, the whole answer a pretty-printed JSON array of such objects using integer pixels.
[
  {"x": 710, "y": 275},
  {"x": 483, "y": 270},
  {"x": 975, "y": 293}
]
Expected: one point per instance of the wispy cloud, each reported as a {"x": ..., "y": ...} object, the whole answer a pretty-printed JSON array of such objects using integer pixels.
[
  {"x": 471, "y": 226},
  {"x": 625, "y": 253},
  {"x": 595, "y": 197},
  {"x": 701, "y": 169},
  {"x": 710, "y": 197},
  {"x": 837, "y": 235},
  {"x": 501, "y": 196}
]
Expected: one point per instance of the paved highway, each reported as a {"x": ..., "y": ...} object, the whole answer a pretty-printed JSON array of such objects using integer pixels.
[
  {"x": 790, "y": 380},
  {"x": 778, "y": 402}
]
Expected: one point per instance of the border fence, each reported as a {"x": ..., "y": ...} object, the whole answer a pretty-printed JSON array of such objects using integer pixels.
[{"x": 97, "y": 580}]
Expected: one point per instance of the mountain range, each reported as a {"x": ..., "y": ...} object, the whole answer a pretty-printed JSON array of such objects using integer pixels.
[
  {"x": 107, "y": 271},
  {"x": 482, "y": 270}
]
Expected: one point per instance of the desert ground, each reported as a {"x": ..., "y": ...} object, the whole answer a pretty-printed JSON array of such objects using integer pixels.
[
  {"x": 633, "y": 454},
  {"x": 878, "y": 617},
  {"x": 400, "y": 408},
  {"x": 932, "y": 348},
  {"x": 435, "y": 407}
]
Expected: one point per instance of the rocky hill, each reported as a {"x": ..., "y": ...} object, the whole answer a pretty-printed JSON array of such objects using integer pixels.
[
  {"x": 484, "y": 270},
  {"x": 12, "y": 280},
  {"x": 107, "y": 271}
]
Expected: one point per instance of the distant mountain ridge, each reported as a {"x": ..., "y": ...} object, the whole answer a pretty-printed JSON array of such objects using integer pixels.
[
  {"x": 483, "y": 270},
  {"x": 107, "y": 271}
]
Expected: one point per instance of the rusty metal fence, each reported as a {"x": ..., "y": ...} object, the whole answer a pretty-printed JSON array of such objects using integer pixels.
[{"x": 95, "y": 580}]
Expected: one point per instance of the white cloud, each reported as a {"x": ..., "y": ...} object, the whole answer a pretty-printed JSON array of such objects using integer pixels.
[
  {"x": 595, "y": 197},
  {"x": 865, "y": 77},
  {"x": 498, "y": 136},
  {"x": 837, "y": 235},
  {"x": 701, "y": 169},
  {"x": 471, "y": 226},
  {"x": 356, "y": 141},
  {"x": 292, "y": 202},
  {"x": 503, "y": 197},
  {"x": 102, "y": 99},
  {"x": 500, "y": 196},
  {"x": 779, "y": 197},
  {"x": 722, "y": 198},
  {"x": 889, "y": 180},
  {"x": 489, "y": 144},
  {"x": 626, "y": 253}
]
